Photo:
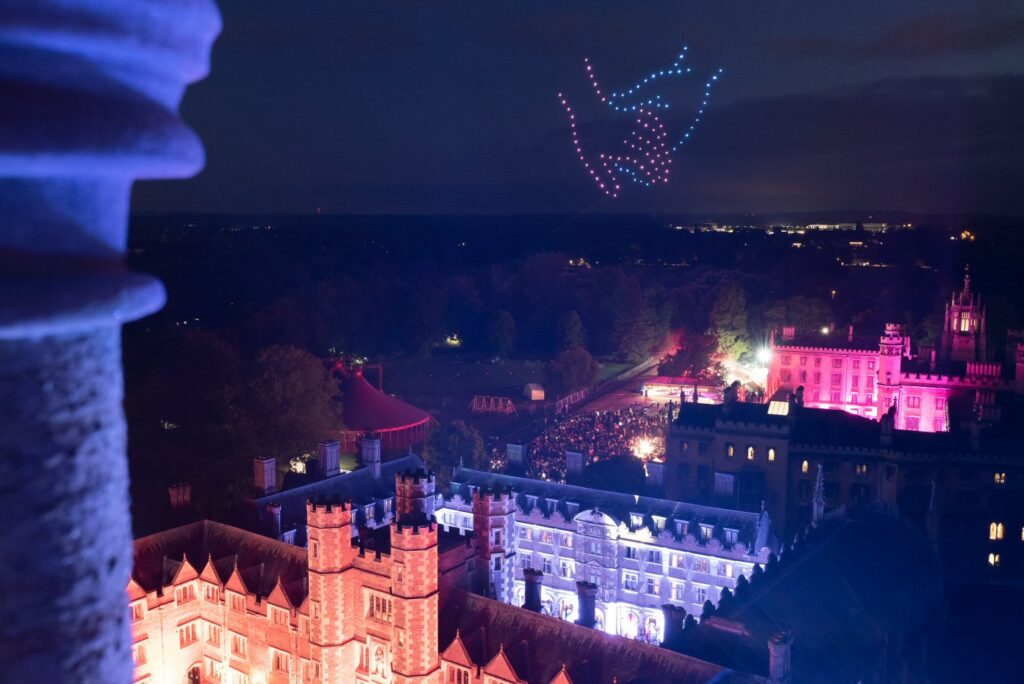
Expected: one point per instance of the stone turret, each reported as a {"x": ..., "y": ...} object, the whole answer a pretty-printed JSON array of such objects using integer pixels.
[
  {"x": 963, "y": 330},
  {"x": 370, "y": 446},
  {"x": 414, "y": 582},
  {"x": 494, "y": 530},
  {"x": 331, "y": 556},
  {"x": 414, "y": 496}
]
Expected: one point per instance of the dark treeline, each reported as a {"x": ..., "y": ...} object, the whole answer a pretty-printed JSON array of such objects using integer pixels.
[{"x": 231, "y": 365}]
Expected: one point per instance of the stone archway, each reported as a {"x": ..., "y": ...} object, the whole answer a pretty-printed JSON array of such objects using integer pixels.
[{"x": 194, "y": 674}]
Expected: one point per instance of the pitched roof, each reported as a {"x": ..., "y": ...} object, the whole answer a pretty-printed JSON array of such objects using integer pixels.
[
  {"x": 537, "y": 646},
  {"x": 837, "y": 608},
  {"x": 260, "y": 562},
  {"x": 368, "y": 409},
  {"x": 359, "y": 486},
  {"x": 615, "y": 504}
]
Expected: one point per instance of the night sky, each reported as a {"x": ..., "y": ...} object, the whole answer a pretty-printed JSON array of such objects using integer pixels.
[{"x": 450, "y": 107}]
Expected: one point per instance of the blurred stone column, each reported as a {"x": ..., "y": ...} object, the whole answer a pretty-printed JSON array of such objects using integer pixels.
[{"x": 89, "y": 92}]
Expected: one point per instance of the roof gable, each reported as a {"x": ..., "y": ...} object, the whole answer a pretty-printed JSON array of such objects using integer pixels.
[
  {"x": 500, "y": 667},
  {"x": 456, "y": 652},
  {"x": 135, "y": 590},
  {"x": 185, "y": 573}
]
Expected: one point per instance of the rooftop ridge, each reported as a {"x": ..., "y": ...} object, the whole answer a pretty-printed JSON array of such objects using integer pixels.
[
  {"x": 387, "y": 467},
  {"x": 629, "y": 499}
]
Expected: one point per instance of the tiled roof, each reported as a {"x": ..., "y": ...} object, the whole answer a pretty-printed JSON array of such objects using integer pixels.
[
  {"x": 616, "y": 504},
  {"x": 359, "y": 486},
  {"x": 837, "y": 607},
  {"x": 537, "y": 646},
  {"x": 705, "y": 415},
  {"x": 837, "y": 341},
  {"x": 260, "y": 561}
]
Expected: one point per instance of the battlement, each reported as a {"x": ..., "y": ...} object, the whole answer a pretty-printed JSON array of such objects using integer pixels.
[
  {"x": 411, "y": 536},
  {"x": 493, "y": 495},
  {"x": 419, "y": 476},
  {"x": 328, "y": 513}
]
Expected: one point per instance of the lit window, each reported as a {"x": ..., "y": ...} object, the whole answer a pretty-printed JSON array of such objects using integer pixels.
[
  {"x": 995, "y": 531},
  {"x": 705, "y": 532},
  {"x": 701, "y": 565},
  {"x": 730, "y": 449},
  {"x": 653, "y": 586},
  {"x": 725, "y": 569},
  {"x": 378, "y": 607},
  {"x": 188, "y": 635},
  {"x": 993, "y": 560},
  {"x": 566, "y": 569},
  {"x": 279, "y": 617},
  {"x": 999, "y": 478},
  {"x": 280, "y": 661},
  {"x": 861, "y": 469},
  {"x": 185, "y": 594},
  {"x": 239, "y": 645},
  {"x": 771, "y": 455},
  {"x": 805, "y": 467},
  {"x": 750, "y": 453},
  {"x": 139, "y": 654},
  {"x": 138, "y": 611}
]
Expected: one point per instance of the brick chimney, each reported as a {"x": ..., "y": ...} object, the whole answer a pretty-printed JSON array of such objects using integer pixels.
[
  {"x": 264, "y": 475},
  {"x": 328, "y": 454},
  {"x": 533, "y": 579},
  {"x": 274, "y": 511},
  {"x": 780, "y": 649},
  {"x": 586, "y": 593},
  {"x": 371, "y": 454}
]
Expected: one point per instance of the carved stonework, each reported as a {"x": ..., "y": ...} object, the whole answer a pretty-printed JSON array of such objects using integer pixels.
[{"x": 90, "y": 92}]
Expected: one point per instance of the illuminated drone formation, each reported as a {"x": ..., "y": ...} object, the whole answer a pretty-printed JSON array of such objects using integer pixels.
[{"x": 646, "y": 157}]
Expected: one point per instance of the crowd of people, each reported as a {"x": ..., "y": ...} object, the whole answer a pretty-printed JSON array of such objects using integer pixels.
[{"x": 599, "y": 435}]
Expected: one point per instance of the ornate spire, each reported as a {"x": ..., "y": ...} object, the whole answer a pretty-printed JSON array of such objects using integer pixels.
[{"x": 818, "y": 510}]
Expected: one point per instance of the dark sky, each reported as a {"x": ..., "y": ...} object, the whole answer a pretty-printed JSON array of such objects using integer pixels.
[{"x": 450, "y": 107}]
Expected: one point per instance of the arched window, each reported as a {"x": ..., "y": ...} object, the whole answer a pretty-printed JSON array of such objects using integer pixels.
[
  {"x": 805, "y": 467},
  {"x": 750, "y": 453},
  {"x": 993, "y": 560},
  {"x": 995, "y": 531},
  {"x": 771, "y": 455}
]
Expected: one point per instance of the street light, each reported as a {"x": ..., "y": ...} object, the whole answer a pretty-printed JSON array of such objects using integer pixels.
[{"x": 764, "y": 356}]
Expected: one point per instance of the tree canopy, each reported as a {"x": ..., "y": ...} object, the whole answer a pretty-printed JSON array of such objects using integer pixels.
[
  {"x": 571, "y": 370},
  {"x": 452, "y": 445}
]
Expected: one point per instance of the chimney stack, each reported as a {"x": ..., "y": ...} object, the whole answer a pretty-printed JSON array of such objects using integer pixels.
[
  {"x": 779, "y": 665},
  {"x": 533, "y": 580},
  {"x": 328, "y": 453},
  {"x": 586, "y": 593},
  {"x": 371, "y": 454},
  {"x": 274, "y": 509},
  {"x": 264, "y": 475},
  {"x": 850, "y": 336},
  {"x": 675, "y": 619}
]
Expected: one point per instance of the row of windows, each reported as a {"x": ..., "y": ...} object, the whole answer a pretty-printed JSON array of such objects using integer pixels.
[
  {"x": 836, "y": 363},
  {"x": 751, "y": 452},
  {"x": 997, "y": 532},
  {"x": 652, "y": 587}
]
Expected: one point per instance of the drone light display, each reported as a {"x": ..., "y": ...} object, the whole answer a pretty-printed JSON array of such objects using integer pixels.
[{"x": 646, "y": 154}]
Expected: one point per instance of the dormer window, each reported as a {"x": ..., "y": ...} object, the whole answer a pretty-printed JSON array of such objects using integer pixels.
[
  {"x": 636, "y": 519},
  {"x": 730, "y": 536},
  {"x": 705, "y": 532}
]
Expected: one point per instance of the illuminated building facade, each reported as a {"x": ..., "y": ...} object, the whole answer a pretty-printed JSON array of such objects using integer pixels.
[
  {"x": 213, "y": 603},
  {"x": 779, "y": 456},
  {"x": 866, "y": 376},
  {"x": 639, "y": 552}
]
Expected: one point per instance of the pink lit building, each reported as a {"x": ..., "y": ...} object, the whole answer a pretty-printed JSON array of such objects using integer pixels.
[{"x": 866, "y": 376}]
